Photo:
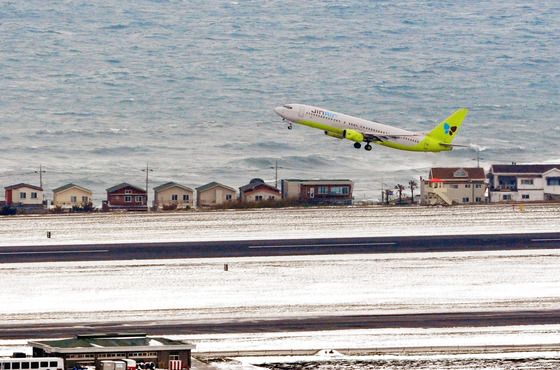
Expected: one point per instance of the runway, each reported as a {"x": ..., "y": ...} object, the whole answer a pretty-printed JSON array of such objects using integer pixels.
[
  {"x": 278, "y": 247},
  {"x": 287, "y": 324}
]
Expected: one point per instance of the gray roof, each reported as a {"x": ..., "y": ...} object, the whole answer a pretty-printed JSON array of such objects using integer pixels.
[
  {"x": 110, "y": 342},
  {"x": 211, "y": 185},
  {"x": 69, "y": 186},
  {"x": 254, "y": 183},
  {"x": 124, "y": 185},
  {"x": 523, "y": 168},
  {"x": 170, "y": 184}
]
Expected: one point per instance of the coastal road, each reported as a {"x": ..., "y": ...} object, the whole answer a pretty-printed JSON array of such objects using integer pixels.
[
  {"x": 287, "y": 324},
  {"x": 278, "y": 247}
]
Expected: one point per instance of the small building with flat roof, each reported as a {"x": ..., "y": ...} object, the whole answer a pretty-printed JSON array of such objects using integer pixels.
[
  {"x": 322, "y": 191},
  {"x": 91, "y": 349}
]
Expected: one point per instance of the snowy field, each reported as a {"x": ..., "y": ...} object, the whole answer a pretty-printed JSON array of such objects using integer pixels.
[{"x": 277, "y": 223}]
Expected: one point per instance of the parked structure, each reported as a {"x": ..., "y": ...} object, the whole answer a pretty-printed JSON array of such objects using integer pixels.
[
  {"x": 257, "y": 191},
  {"x": 524, "y": 182},
  {"x": 172, "y": 194},
  {"x": 214, "y": 194},
  {"x": 453, "y": 185},
  {"x": 318, "y": 191},
  {"x": 91, "y": 349},
  {"x": 71, "y": 195},
  {"x": 125, "y": 197},
  {"x": 24, "y": 195}
]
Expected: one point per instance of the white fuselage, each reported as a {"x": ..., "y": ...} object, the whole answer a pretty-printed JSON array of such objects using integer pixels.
[{"x": 337, "y": 122}]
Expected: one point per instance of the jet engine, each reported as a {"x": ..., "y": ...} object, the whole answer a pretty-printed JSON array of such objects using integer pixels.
[
  {"x": 353, "y": 135},
  {"x": 334, "y": 134}
]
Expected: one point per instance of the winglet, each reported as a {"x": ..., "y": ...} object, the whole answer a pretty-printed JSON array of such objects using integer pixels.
[{"x": 446, "y": 131}]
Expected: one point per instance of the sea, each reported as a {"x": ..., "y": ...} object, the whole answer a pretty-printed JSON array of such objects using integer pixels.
[{"x": 93, "y": 92}]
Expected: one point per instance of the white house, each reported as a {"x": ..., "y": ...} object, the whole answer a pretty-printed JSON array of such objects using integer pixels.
[{"x": 524, "y": 182}]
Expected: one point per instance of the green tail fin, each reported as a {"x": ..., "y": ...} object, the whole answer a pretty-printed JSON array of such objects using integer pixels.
[{"x": 446, "y": 131}]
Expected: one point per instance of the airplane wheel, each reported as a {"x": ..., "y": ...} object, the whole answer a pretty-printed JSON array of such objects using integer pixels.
[
  {"x": 357, "y": 145},
  {"x": 368, "y": 147},
  {"x": 290, "y": 127}
]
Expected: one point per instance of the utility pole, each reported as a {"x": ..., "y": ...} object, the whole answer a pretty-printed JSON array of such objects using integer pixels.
[
  {"x": 147, "y": 170},
  {"x": 275, "y": 168},
  {"x": 40, "y": 172},
  {"x": 478, "y": 157}
]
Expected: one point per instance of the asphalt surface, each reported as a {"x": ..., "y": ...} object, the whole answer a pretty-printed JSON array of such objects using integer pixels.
[
  {"x": 288, "y": 324},
  {"x": 279, "y": 247}
]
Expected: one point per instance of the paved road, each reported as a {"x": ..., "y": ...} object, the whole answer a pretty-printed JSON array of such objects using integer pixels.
[
  {"x": 280, "y": 247},
  {"x": 288, "y": 324}
]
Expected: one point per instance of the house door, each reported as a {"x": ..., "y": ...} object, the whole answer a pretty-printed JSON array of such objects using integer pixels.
[{"x": 311, "y": 193}]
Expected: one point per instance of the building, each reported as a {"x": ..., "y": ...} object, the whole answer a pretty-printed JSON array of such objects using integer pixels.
[
  {"x": 257, "y": 191},
  {"x": 125, "y": 197},
  {"x": 214, "y": 194},
  {"x": 91, "y": 349},
  {"x": 24, "y": 195},
  {"x": 318, "y": 191},
  {"x": 71, "y": 195},
  {"x": 173, "y": 196},
  {"x": 524, "y": 182},
  {"x": 453, "y": 185}
]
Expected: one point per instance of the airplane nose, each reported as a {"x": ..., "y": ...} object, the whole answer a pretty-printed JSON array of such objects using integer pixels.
[{"x": 278, "y": 110}]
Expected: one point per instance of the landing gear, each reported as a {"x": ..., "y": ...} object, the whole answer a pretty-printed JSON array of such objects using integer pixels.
[
  {"x": 357, "y": 145},
  {"x": 367, "y": 147},
  {"x": 290, "y": 126}
]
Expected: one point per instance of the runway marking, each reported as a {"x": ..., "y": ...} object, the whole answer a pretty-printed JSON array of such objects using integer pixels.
[
  {"x": 546, "y": 240},
  {"x": 56, "y": 252},
  {"x": 319, "y": 245}
]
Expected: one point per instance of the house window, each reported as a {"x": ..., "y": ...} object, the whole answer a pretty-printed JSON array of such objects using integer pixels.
[
  {"x": 139, "y": 198},
  {"x": 33, "y": 195},
  {"x": 128, "y": 191},
  {"x": 506, "y": 197},
  {"x": 85, "y": 199},
  {"x": 185, "y": 197},
  {"x": 524, "y": 196},
  {"x": 73, "y": 199},
  {"x": 271, "y": 197},
  {"x": 465, "y": 199},
  {"x": 467, "y": 186},
  {"x": 478, "y": 186},
  {"x": 22, "y": 195},
  {"x": 454, "y": 186},
  {"x": 229, "y": 197},
  {"x": 527, "y": 181},
  {"x": 323, "y": 189},
  {"x": 128, "y": 198},
  {"x": 340, "y": 190},
  {"x": 553, "y": 181},
  {"x": 258, "y": 198},
  {"x": 478, "y": 199},
  {"x": 174, "y": 197}
]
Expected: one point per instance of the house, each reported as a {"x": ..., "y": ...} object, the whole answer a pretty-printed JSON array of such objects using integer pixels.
[
  {"x": 318, "y": 191},
  {"x": 453, "y": 185},
  {"x": 71, "y": 195},
  {"x": 24, "y": 195},
  {"x": 172, "y": 195},
  {"x": 125, "y": 197},
  {"x": 92, "y": 350},
  {"x": 524, "y": 182},
  {"x": 214, "y": 194},
  {"x": 257, "y": 191}
]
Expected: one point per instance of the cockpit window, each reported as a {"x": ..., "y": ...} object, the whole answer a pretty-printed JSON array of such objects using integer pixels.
[{"x": 287, "y": 106}]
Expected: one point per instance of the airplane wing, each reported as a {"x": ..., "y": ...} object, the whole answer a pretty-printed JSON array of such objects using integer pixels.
[{"x": 454, "y": 145}]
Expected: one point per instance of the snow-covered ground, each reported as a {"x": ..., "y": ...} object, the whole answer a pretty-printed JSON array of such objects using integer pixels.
[{"x": 277, "y": 223}]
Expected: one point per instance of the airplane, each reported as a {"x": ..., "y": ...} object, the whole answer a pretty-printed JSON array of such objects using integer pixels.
[{"x": 358, "y": 130}]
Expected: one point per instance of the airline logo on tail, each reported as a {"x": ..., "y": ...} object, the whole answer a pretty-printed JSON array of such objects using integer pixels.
[{"x": 449, "y": 129}]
